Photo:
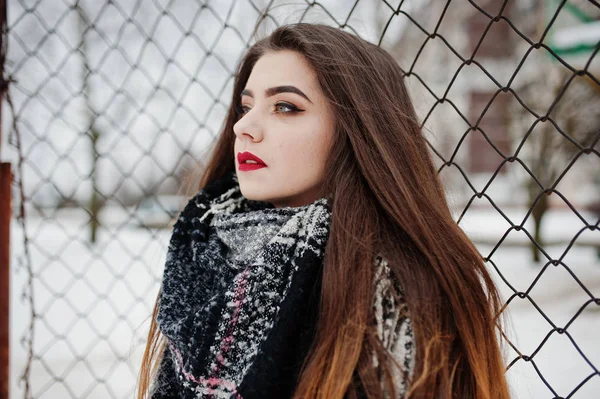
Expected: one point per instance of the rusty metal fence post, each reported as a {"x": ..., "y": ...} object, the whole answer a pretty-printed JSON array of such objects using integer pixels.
[{"x": 5, "y": 216}]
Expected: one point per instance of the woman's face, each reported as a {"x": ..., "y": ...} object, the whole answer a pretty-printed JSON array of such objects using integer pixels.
[{"x": 287, "y": 123}]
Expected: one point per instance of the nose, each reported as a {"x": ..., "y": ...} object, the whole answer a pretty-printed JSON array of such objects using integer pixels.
[{"x": 248, "y": 127}]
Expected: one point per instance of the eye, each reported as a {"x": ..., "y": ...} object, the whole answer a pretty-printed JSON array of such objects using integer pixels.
[
  {"x": 241, "y": 110},
  {"x": 287, "y": 108}
]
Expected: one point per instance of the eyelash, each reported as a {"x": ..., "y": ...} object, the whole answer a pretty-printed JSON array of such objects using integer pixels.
[{"x": 240, "y": 109}]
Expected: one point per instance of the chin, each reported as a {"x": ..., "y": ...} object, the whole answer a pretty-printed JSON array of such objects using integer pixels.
[{"x": 254, "y": 195}]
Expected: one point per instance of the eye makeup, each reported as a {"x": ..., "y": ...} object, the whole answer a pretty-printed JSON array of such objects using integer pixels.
[
  {"x": 241, "y": 110},
  {"x": 292, "y": 108}
]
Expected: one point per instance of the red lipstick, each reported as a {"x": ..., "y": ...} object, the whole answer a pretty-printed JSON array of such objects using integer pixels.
[{"x": 243, "y": 157}]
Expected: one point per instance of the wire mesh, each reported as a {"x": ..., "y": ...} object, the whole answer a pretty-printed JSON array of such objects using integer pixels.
[{"x": 110, "y": 103}]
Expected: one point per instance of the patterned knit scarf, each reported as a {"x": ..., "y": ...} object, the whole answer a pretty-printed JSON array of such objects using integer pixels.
[{"x": 240, "y": 294}]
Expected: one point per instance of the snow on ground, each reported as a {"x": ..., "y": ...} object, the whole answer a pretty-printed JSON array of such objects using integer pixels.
[{"x": 93, "y": 303}]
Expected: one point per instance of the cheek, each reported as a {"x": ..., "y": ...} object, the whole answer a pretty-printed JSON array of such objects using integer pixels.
[
  {"x": 305, "y": 146},
  {"x": 318, "y": 147},
  {"x": 305, "y": 154}
]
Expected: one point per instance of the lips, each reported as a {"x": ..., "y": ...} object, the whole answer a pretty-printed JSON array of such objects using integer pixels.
[
  {"x": 248, "y": 156},
  {"x": 250, "y": 166}
]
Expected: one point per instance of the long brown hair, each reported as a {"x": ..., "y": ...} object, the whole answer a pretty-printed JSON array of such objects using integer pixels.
[{"x": 387, "y": 199}]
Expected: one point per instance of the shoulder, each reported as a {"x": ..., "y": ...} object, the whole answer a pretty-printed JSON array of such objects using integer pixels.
[{"x": 394, "y": 326}]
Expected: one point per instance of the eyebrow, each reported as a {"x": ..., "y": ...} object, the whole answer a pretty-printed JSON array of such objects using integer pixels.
[{"x": 278, "y": 89}]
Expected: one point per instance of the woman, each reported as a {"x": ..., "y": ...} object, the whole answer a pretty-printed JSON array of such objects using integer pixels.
[{"x": 319, "y": 258}]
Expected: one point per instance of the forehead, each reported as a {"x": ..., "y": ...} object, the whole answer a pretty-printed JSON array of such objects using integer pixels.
[{"x": 285, "y": 67}]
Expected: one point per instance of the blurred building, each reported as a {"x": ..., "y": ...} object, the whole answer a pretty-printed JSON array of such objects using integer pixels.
[{"x": 452, "y": 95}]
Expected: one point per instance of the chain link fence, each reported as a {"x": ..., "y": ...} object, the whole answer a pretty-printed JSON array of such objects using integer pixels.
[{"x": 111, "y": 103}]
